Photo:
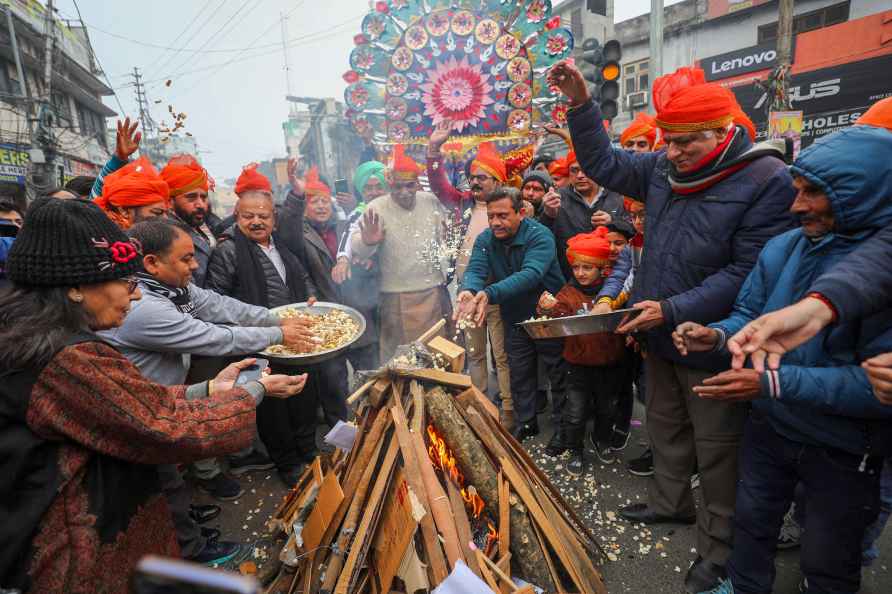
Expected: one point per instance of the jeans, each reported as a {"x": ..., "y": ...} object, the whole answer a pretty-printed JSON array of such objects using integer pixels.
[
  {"x": 179, "y": 498},
  {"x": 875, "y": 530},
  {"x": 591, "y": 390},
  {"x": 841, "y": 501},
  {"x": 522, "y": 351}
]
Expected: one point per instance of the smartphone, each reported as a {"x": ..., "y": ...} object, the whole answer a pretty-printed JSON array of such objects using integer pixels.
[
  {"x": 251, "y": 373},
  {"x": 159, "y": 575},
  {"x": 341, "y": 186}
]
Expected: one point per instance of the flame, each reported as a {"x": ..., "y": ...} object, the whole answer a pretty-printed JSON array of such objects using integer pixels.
[
  {"x": 492, "y": 536},
  {"x": 444, "y": 460}
]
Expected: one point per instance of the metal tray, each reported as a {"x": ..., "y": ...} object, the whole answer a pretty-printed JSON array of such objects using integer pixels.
[
  {"x": 578, "y": 325},
  {"x": 320, "y": 307}
]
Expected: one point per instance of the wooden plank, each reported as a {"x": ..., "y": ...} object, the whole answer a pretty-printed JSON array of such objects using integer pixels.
[
  {"x": 452, "y": 354},
  {"x": 378, "y": 391},
  {"x": 554, "y": 574},
  {"x": 432, "y": 331},
  {"x": 504, "y": 564},
  {"x": 360, "y": 392},
  {"x": 413, "y": 474},
  {"x": 463, "y": 525},
  {"x": 581, "y": 570},
  {"x": 486, "y": 572},
  {"x": 327, "y": 502},
  {"x": 396, "y": 530},
  {"x": 438, "y": 376},
  {"x": 504, "y": 516},
  {"x": 472, "y": 397},
  {"x": 370, "y": 509},
  {"x": 419, "y": 419},
  {"x": 500, "y": 574}
]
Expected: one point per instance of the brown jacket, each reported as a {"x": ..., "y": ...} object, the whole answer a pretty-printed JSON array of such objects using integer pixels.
[{"x": 594, "y": 350}]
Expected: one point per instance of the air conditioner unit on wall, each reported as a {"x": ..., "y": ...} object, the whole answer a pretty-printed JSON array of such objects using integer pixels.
[{"x": 637, "y": 99}]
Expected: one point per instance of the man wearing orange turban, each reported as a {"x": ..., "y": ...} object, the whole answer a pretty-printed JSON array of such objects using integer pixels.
[
  {"x": 134, "y": 193},
  {"x": 405, "y": 229},
  {"x": 879, "y": 115},
  {"x": 641, "y": 135},
  {"x": 713, "y": 200},
  {"x": 189, "y": 185},
  {"x": 487, "y": 172}
]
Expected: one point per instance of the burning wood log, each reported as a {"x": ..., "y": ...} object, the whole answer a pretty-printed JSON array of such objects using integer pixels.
[{"x": 480, "y": 472}]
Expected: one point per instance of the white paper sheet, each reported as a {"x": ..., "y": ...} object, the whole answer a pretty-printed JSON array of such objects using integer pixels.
[
  {"x": 462, "y": 581},
  {"x": 342, "y": 435}
]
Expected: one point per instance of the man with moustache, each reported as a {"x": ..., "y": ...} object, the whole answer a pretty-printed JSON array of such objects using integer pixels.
[{"x": 189, "y": 185}]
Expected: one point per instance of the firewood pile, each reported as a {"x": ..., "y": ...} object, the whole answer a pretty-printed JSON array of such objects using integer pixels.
[{"x": 432, "y": 491}]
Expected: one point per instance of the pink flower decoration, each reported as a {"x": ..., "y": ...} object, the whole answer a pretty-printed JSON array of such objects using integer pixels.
[
  {"x": 382, "y": 7},
  {"x": 122, "y": 252},
  {"x": 457, "y": 92},
  {"x": 553, "y": 23},
  {"x": 351, "y": 76},
  {"x": 555, "y": 45},
  {"x": 360, "y": 39}
]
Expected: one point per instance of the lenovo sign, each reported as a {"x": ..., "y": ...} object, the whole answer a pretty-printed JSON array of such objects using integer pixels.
[{"x": 751, "y": 59}]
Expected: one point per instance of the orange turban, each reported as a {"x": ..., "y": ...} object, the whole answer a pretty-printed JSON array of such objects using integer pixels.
[
  {"x": 135, "y": 184},
  {"x": 570, "y": 159},
  {"x": 593, "y": 248},
  {"x": 313, "y": 186},
  {"x": 489, "y": 160},
  {"x": 686, "y": 103},
  {"x": 642, "y": 125},
  {"x": 183, "y": 174},
  {"x": 879, "y": 115},
  {"x": 403, "y": 166},
  {"x": 559, "y": 168},
  {"x": 251, "y": 179}
]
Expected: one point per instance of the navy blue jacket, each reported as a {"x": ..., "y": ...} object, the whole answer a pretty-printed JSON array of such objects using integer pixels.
[
  {"x": 820, "y": 395},
  {"x": 698, "y": 247},
  {"x": 518, "y": 270}
]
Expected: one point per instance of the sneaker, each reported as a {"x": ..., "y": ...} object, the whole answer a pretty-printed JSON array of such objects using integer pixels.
[
  {"x": 604, "y": 454},
  {"x": 725, "y": 587},
  {"x": 290, "y": 475},
  {"x": 556, "y": 445},
  {"x": 576, "y": 465},
  {"x": 790, "y": 532},
  {"x": 619, "y": 440},
  {"x": 695, "y": 480},
  {"x": 250, "y": 463},
  {"x": 216, "y": 552},
  {"x": 643, "y": 465},
  {"x": 524, "y": 431},
  {"x": 202, "y": 514},
  {"x": 221, "y": 487}
]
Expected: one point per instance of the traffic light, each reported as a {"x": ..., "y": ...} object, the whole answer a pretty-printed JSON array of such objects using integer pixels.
[{"x": 601, "y": 69}]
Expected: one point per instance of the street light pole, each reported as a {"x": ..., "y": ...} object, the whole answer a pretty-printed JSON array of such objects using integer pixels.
[
  {"x": 655, "y": 64},
  {"x": 784, "y": 54}
]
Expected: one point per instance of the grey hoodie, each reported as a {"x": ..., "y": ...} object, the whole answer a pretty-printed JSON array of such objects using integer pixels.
[{"x": 159, "y": 339}]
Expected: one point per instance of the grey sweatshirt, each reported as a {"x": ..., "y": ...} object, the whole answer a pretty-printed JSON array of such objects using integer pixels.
[{"x": 159, "y": 339}]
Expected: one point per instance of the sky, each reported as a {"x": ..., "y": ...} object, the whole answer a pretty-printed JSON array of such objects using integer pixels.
[{"x": 227, "y": 65}]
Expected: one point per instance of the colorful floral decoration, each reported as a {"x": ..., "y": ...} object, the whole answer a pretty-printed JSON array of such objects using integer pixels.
[
  {"x": 477, "y": 64},
  {"x": 559, "y": 114}
]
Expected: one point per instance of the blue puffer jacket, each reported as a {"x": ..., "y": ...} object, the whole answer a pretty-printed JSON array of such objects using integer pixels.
[
  {"x": 698, "y": 247},
  {"x": 821, "y": 395}
]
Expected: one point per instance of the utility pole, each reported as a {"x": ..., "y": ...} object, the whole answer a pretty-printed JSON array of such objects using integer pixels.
[
  {"x": 148, "y": 147},
  {"x": 781, "y": 99},
  {"x": 284, "y": 20},
  {"x": 49, "y": 43},
  {"x": 655, "y": 64}
]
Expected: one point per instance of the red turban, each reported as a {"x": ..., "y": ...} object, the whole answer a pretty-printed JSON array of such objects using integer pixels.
[
  {"x": 559, "y": 168},
  {"x": 593, "y": 248},
  {"x": 570, "y": 159},
  {"x": 489, "y": 160},
  {"x": 251, "y": 179},
  {"x": 403, "y": 166},
  {"x": 184, "y": 174},
  {"x": 642, "y": 125},
  {"x": 313, "y": 186},
  {"x": 135, "y": 184},
  {"x": 879, "y": 115},
  {"x": 686, "y": 103}
]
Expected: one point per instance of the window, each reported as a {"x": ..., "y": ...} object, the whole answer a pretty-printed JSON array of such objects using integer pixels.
[
  {"x": 635, "y": 77},
  {"x": 809, "y": 21},
  {"x": 576, "y": 23},
  {"x": 63, "y": 109}
]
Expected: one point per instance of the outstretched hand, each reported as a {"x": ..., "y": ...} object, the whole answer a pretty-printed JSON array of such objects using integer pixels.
[
  {"x": 569, "y": 80},
  {"x": 439, "y": 136},
  {"x": 297, "y": 184},
  {"x": 127, "y": 140},
  {"x": 370, "y": 228}
]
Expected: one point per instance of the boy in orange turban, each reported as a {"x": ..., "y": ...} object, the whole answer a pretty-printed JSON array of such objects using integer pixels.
[
  {"x": 713, "y": 200},
  {"x": 594, "y": 373},
  {"x": 134, "y": 193},
  {"x": 641, "y": 135}
]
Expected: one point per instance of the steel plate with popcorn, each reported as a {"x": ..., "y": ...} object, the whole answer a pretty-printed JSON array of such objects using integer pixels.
[{"x": 336, "y": 326}]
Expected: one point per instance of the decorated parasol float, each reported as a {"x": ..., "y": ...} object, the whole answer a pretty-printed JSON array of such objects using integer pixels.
[{"x": 478, "y": 64}]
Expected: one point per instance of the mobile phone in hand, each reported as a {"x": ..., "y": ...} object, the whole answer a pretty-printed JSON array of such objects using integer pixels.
[
  {"x": 251, "y": 373},
  {"x": 158, "y": 575},
  {"x": 341, "y": 186}
]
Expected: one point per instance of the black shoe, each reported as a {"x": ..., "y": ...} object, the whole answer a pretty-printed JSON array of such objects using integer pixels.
[
  {"x": 202, "y": 514},
  {"x": 216, "y": 552},
  {"x": 576, "y": 465},
  {"x": 556, "y": 445},
  {"x": 525, "y": 430},
  {"x": 643, "y": 465},
  {"x": 222, "y": 488},
  {"x": 210, "y": 533},
  {"x": 250, "y": 463},
  {"x": 639, "y": 513},
  {"x": 290, "y": 475},
  {"x": 619, "y": 440},
  {"x": 703, "y": 576},
  {"x": 604, "y": 454}
]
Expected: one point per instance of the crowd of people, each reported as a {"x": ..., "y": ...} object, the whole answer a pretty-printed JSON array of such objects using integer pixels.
[{"x": 761, "y": 345}]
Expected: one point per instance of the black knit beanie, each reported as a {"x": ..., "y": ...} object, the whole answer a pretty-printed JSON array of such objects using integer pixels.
[
  {"x": 67, "y": 243},
  {"x": 540, "y": 176}
]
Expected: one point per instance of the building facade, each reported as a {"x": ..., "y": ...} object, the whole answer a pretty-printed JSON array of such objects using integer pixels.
[{"x": 48, "y": 132}]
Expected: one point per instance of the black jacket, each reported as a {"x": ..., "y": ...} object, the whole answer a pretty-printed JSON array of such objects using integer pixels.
[{"x": 575, "y": 217}]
